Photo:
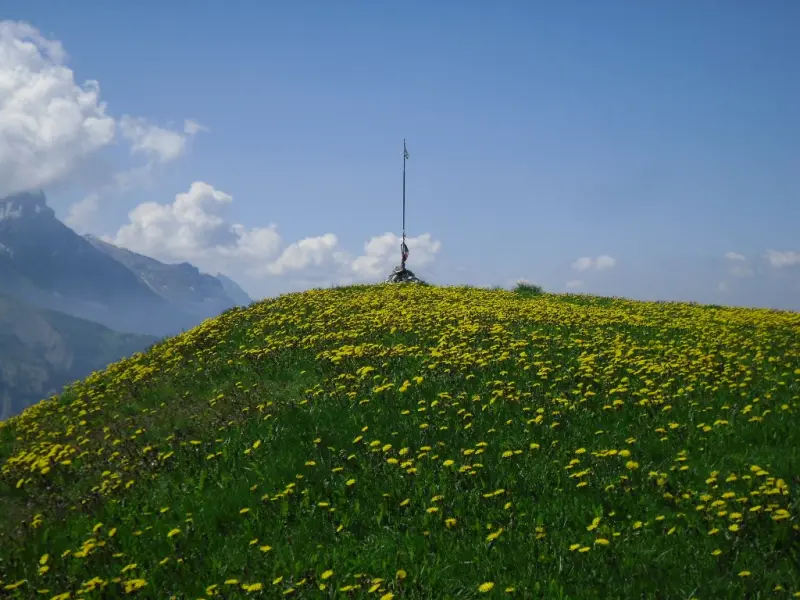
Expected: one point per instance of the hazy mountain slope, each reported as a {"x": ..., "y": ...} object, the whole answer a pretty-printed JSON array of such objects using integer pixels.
[
  {"x": 182, "y": 285},
  {"x": 46, "y": 263},
  {"x": 42, "y": 350},
  {"x": 234, "y": 291}
]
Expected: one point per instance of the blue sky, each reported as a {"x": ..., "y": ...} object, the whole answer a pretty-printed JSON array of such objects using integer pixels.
[{"x": 661, "y": 134}]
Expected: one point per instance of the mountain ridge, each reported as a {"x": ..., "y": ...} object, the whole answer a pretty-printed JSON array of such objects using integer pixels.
[
  {"x": 44, "y": 262},
  {"x": 49, "y": 265},
  {"x": 182, "y": 284}
]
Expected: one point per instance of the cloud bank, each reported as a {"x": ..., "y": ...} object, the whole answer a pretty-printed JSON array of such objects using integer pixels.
[
  {"x": 780, "y": 260},
  {"x": 599, "y": 263},
  {"x": 51, "y": 125},
  {"x": 194, "y": 228}
]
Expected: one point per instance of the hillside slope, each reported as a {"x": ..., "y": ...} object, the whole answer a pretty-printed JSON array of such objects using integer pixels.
[
  {"x": 420, "y": 442},
  {"x": 42, "y": 350}
]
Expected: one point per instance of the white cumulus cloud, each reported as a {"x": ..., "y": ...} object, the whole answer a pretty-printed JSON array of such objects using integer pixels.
[
  {"x": 193, "y": 127},
  {"x": 81, "y": 213},
  {"x": 382, "y": 252},
  {"x": 194, "y": 228},
  {"x": 738, "y": 266},
  {"x": 599, "y": 263},
  {"x": 739, "y": 270},
  {"x": 49, "y": 124},
  {"x": 157, "y": 144},
  {"x": 783, "y": 259},
  {"x": 309, "y": 252}
]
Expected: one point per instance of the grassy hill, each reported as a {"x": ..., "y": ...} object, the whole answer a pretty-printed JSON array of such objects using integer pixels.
[
  {"x": 420, "y": 442},
  {"x": 42, "y": 350}
]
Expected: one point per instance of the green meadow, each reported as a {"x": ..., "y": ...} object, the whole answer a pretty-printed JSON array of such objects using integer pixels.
[{"x": 420, "y": 442}]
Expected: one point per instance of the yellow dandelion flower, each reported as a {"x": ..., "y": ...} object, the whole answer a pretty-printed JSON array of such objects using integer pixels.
[
  {"x": 487, "y": 586},
  {"x": 494, "y": 535},
  {"x": 133, "y": 585}
]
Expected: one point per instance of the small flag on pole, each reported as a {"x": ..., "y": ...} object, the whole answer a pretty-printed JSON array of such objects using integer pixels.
[{"x": 405, "y": 152}]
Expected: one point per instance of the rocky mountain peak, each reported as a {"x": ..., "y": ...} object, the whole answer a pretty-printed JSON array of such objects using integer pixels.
[{"x": 25, "y": 205}]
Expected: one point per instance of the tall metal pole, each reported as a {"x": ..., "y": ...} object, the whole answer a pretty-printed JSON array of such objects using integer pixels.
[{"x": 403, "y": 247}]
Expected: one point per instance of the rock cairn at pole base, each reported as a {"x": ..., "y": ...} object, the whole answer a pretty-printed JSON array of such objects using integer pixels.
[{"x": 402, "y": 275}]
